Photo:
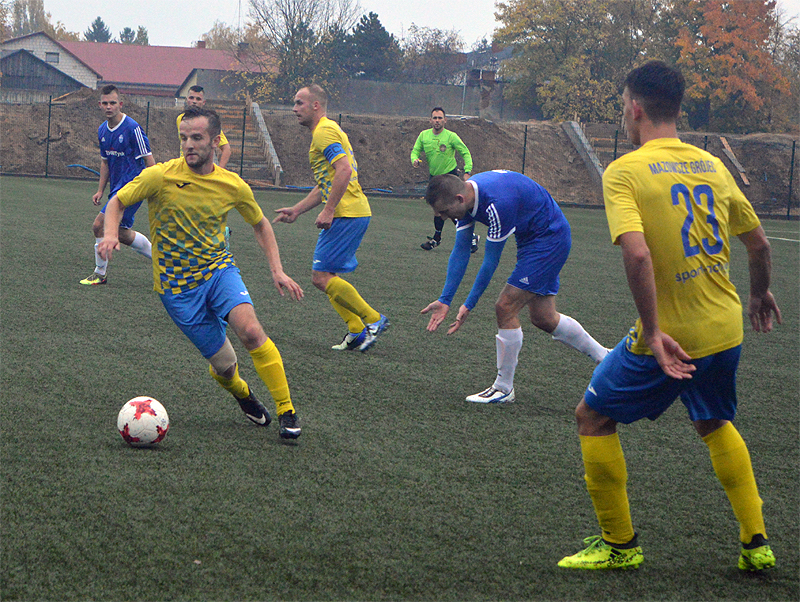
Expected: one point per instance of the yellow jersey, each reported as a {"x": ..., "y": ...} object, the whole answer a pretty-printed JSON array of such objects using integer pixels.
[
  {"x": 188, "y": 213},
  {"x": 328, "y": 145},
  {"x": 688, "y": 206}
]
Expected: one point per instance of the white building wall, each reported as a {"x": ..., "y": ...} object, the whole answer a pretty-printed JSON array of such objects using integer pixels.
[{"x": 40, "y": 45}]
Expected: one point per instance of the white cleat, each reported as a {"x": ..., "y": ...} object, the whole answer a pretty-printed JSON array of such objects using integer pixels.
[{"x": 492, "y": 395}]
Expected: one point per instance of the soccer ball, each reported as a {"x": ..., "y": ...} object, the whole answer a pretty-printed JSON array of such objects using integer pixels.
[{"x": 143, "y": 421}]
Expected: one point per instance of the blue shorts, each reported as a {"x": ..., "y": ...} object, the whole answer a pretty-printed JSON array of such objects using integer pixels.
[
  {"x": 539, "y": 261},
  {"x": 200, "y": 312},
  {"x": 627, "y": 387},
  {"x": 337, "y": 246},
  {"x": 127, "y": 215}
]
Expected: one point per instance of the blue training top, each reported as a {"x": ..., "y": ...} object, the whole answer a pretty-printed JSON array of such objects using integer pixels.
[
  {"x": 124, "y": 148},
  {"x": 507, "y": 203}
]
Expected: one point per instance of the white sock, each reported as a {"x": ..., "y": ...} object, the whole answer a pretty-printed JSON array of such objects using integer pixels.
[
  {"x": 142, "y": 245},
  {"x": 100, "y": 264},
  {"x": 571, "y": 333},
  {"x": 509, "y": 343}
]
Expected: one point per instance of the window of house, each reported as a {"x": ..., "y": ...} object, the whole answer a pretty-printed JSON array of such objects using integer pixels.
[{"x": 51, "y": 57}]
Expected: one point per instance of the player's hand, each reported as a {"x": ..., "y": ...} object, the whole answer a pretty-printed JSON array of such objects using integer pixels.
[
  {"x": 97, "y": 197},
  {"x": 286, "y": 215},
  {"x": 324, "y": 219},
  {"x": 282, "y": 281},
  {"x": 463, "y": 314},
  {"x": 760, "y": 310},
  {"x": 106, "y": 246},
  {"x": 438, "y": 311},
  {"x": 670, "y": 356},
  {"x": 416, "y": 163}
]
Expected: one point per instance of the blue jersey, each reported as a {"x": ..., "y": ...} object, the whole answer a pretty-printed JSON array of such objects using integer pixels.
[
  {"x": 124, "y": 148},
  {"x": 511, "y": 203}
]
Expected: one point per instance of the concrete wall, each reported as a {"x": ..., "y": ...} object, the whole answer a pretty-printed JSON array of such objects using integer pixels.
[{"x": 479, "y": 98}]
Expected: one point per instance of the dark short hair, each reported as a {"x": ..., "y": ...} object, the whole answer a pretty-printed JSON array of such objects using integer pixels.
[
  {"x": 195, "y": 88},
  {"x": 659, "y": 88},
  {"x": 444, "y": 187},
  {"x": 434, "y": 109},
  {"x": 214, "y": 126},
  {"x": 109, "y": 89}
]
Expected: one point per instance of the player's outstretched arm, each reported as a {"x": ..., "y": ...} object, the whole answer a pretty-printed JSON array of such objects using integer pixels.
[
  {"x": 266, "y": 240},
  {"x": 438, "y": 311},
  {"x": 288, "y": 215},
  {"x": 762, "y": 304},
  {"x": 111, "y": 223}
]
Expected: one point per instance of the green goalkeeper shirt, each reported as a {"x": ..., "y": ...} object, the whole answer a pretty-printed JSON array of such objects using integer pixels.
[{"x": 440, "y": 151}]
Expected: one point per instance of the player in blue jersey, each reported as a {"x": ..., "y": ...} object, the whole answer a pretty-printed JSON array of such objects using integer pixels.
[
  {"x": 125, "y": 152},
  {"x": 508, "y": 203},
  {"x": 193, "y": 270}
]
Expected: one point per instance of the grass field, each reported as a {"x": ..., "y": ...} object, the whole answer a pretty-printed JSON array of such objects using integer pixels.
[{"x": 397, "y": 489}]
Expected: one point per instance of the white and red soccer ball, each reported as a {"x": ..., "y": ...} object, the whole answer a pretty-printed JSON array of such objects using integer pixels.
[{"x": 143, "y": 421}]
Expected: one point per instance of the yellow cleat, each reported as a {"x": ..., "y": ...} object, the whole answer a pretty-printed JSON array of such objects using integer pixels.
[
  {"x": 756, "y": 559},
  {"x": 601, "y": 555},
  {"x": 94, "y": 279}
]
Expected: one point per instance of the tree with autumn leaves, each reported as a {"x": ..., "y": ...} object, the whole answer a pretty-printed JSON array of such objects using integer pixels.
[{"x": 570, "y": 57}]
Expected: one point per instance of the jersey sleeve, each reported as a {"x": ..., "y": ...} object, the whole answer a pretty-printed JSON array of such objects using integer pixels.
[
  {"x": 222, "y": 139},
  {"x": 140, "y": 143},
  {"x": 328, "y": 141},
  {"x": 247, "y": 205},
  {"x": 143, "y": 186},
  {"x": 462, "y": 150},
  {"x": 417, "y": 147},
  {"x": 622, "y": 211},
  {"x": 742, "y": 217}
]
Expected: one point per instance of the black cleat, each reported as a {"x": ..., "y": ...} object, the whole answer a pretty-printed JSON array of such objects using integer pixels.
[
  {"x": 290, "y": 429},
  {"x": 254, "y": 410}
]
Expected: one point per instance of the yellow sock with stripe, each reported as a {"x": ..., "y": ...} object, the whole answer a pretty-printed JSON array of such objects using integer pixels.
[
  {"x": 354, "y": 323},
  {"x": 269, "y": 365},
  {"x": 606, "y": 479},
  {"x": 731, "y": 462},
  {"x": 235, "y": 385},
  {"x": 342, "y": 293}
]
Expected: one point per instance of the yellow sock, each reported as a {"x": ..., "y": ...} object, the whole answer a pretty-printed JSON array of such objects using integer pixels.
[
  {"x": 342, "y": 293},
  {"x": 269, "y": 365},
  {"x": 606, "y": 479},
  {"x": 354, "y": 323},
  {"x": 731, "y": 462},
  {"x": 236, "y": 385}
]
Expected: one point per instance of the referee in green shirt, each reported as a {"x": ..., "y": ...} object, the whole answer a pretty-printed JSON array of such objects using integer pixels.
[{"x": 440, "y": 147}]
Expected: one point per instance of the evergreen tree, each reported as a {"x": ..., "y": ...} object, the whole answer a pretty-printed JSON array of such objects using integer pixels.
[{"x": 98, "y": 32}]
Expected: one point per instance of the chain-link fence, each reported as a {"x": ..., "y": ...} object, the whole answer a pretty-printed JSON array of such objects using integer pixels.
[{"x": 59, "y": 138}]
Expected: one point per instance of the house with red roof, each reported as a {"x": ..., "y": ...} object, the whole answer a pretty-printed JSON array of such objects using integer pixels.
[{"x": 134, "y": 69}]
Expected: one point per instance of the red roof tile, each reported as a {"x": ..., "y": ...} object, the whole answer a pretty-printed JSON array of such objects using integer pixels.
[{"x": 159, "y": 65}]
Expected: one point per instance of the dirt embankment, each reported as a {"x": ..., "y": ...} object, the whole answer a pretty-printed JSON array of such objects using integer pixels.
[{"x": 382, "y": 145}]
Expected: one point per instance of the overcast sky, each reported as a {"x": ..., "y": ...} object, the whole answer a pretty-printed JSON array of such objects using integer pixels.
[{"x": 181, "y": 23}]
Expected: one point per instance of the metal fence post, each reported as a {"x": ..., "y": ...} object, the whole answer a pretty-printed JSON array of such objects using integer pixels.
[
  {"x": 524, "y": 147},
  {"x": 244, "y": 127},
  {"x": 705, "y": 143},
  {"x": 147, "y": 119},
  {"x": 616, "y": 138},
  {"x": 791, "y": 180},
  {"x": 47, "y": 143}
]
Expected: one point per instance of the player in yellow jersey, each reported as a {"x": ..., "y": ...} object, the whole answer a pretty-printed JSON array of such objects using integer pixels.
[
  {"x": 197, "y": 98},
  {"x": 194, "y": 272},
  {"x": 342, "y": 221},
  {"x": 672, "y": 208}
]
